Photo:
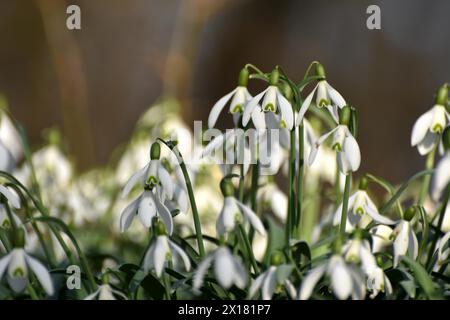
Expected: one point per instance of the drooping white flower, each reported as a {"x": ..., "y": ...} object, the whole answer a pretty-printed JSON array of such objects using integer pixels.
[
  {"x": 239, "y": 98},
  {"x": 405, "y": 241},
  {"x": 346, "y": 280},
  {"x": 17, "y": 264},
  {"x": 153, "y": 174},
  {"x": 346, "y": 147},
  {"x": 428, "y": 127},
  {"x": 273, "y": 103},
  {"x": 441, "y": 177},
  {"x": 326, "y": 97},
  {"x": 228, "y": 270},
  {"x": 234, "y": 211},
  {"x": 162, "y": 251},
  {"x": 105, "y": 292},
  {"x": 147, "y": 206},
  {"x": 361, "y": 211},
  {"x": 269, "y": 280}
]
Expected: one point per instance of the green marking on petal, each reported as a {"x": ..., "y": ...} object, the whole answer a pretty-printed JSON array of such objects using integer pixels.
[
  {"x": 437, "y": 128},
  {"x": 360, "y": 211},
  {"x": 337, "y": 146},
  {"x": 270, "y": 107},
  {"x": 152, "y": 181},
  {"x": 323, "y": 103},
  {"x": 237, "y": 109},
  {"x": 19, "y": 273}
]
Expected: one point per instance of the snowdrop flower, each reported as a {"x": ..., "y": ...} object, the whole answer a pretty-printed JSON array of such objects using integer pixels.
[
  {"x": 271, "y": 196},
  {"x": 346, "y": 280},
  {"x": 17, "y": 264},
  {"x": 153, "y": 175},
  {"x": 429, "y": 126},
  {"x": 345, "y": 145},
  {"x": 162, "y": 251},
  {"x": 273, "y": 279},
  {"x": 10, "y": 143},
  {"x": 441, "y": 176},
  {"x": 361, "y": 210},
  {"x": 239, "y": 97},
  {"x": 326, "y": 97},
  {"x": 405, "y": 239},
  {"x": 147, "y": 206},
  {"x": 234, "y": 211},
  {"x": 273, "y": 102},
  {"x": 228, "y": 269},
  {"x": 381, "y": 237},
  {"x": 105, "y": 292}
]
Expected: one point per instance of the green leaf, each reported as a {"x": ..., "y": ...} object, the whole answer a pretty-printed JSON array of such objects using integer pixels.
[
  {"x": 422, "y": 277},
  {"x": 299, "y": 249},
  {"x": 402, "y": 188}
]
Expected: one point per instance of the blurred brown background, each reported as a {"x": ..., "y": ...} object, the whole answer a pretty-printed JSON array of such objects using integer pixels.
[{"x": 94, "y": 83}]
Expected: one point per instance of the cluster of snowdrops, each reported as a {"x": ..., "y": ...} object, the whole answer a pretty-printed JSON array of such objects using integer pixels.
[{"x": 240, "y": 216}]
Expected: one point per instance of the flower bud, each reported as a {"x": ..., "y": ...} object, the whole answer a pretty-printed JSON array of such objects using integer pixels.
[
  {"x": 276, "y": 259},
  {"x": 442, "y": 95},
  {"x": 363, "y": 183},
  {"x": 243, "y": 77},
  {"x": 409, "y": 214},
  {"x": 155, "y": 151},
  {"x": 274, "y": 77},
  {"x": 345, "y": 115},
  {"x": 446, "y": 138},
  {"x": 320, "y": 71},
  {"x": 19, "y": 239},
  {"x": 226, "y": 187}
]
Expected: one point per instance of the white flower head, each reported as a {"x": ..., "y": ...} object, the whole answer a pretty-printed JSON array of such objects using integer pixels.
[
  {"x": 239, "y": 98},
  {"x": 234, "y": 211},
  {"x": 147, "y": 206},
  {"x": 228, "y": 270},
  {"x": 381, "y": 237},
  {"x": 18, "y": 264},
  {"x": 162, "y": 251},
  {"x": 271, "y": 196},
  {"x": 427, "y": 129},
  {"x": 271, "y": 280},
  {"x": 274, "y": 107},
  {"x": 346, "y": 280},
  {"x": 347, "y": 149},
  {"x": 326, "y": 97},
  {"x": 10, "y": 143},
  {"x": 443, "y": 251},
  {"x": 361, "y": 211}
]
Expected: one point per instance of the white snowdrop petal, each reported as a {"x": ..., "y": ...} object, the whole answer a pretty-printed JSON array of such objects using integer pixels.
[
  {"x": 352, "y": 152},
  {"x": 256, "y": 285},
  {"x": 269, "y": 284},
  {"x": 335, "y": 96},
  {"x": 133, "y": 180},
  {"x": 341, "y": 281},
  {"x": 240, "y": 276},
  {"x": 286, "y": 110},
  {"x": 305, "y": 105},
  {"x": 377, "y": 216},
  {"x": 217, "y": 108},
  {"x": 146, "y": 209},
  {"x": 250, "y": 107},
  {"x": 4, "y": 263},
  {"x": 413, "y": 245},
  {"x": 252, "y": 217},
  {"x": 164, "y": 214},
  {"x": 421, "y": 126},
  {"x": 160, "y": 253},
  {"x": 180, "y": 252},
  {"x": 166, "y": 182},
  {"x": 441, "y": 177},
  {"x": 128, "y": 214},
  {"x": 200, "y": 273},
  {"x": 310, "y": 281},
  {"x": 223, "y": 267},
  {"x": 428, "y": 143},
  {"x": 41, "y": 273}
]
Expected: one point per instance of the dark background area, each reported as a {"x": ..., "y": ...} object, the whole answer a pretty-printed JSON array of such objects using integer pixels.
[{"x": 94, "y": 83}]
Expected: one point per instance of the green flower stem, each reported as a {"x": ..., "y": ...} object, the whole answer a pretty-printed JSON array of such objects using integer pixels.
[
  {"x": 291, "y": 218},
  {"x": 254, "y": 189},
  {"x": 248, "y": 247},
  {"x": 337, "y": 186},
  {"x": 187, "y": 180},
  {"x": 241, "y": 184},
  {"x": 429, "y": 164},
  {"x": 439, "y": 225},
  {"x": 167, "y": 285},
  {"x": 301, "y": 173},
  {"x": 32, "y": 292},
  {"x": 4, "y": 239},
  {"x": 348, "y": 179}
]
